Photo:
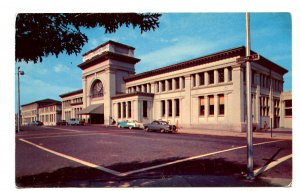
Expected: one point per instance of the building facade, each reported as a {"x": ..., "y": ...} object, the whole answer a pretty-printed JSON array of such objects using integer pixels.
[
  {"x": 72, "y": 104},
  {"x": 47, "y": 111},
  {"x": 207, "y": 92},
  {"x": 286, "y": 112}
]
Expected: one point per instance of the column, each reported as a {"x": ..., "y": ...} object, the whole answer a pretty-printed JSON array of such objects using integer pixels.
[
  {"x": 160, "y": 86},
  {"x": 187, "y": 102},
  {"x": 180, "y": 83},
  {"x": 173, "y": 83},
  {"x": 153, "y": 87},
  {"x": 166, "y": 109},
  {"x": 206, "y": 78},
  {"x": 167, "y": 85},
  {"x": 216, "y": 77},
  {"x": 206, "y": 107},
  {"x": 197, "y": 79},
  {"x": 173, "y": 109},
  {"x": 226, "y": 75},
  {"x": 216, "y": 107}
]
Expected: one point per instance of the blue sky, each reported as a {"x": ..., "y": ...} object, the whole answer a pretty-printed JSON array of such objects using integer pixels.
[{"x": 180, "y": 37}]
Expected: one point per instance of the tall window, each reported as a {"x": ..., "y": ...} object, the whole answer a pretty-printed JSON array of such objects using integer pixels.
[
  {"x": 157, "y": 86},
  {"x": 119, "y": 110},
  {"x": 221, "y": 75},
  {"x": 183, "y": 82},
  {"x": 288, "y": 108},
  {"x": 145, "y": 114},
  {"x": 221, "y": 104},
  {"x": 163, "y": 108},
  {"x": 170, "y": 84},
  {"x": 176, "y": 83},
  {"x": 170, "y": 108},
  {"x": 124, "y": 109},
  {"x": 211, "y": 77},
  {"x": 163, "y": 86},
  {"x": 229, "y": 74},
  {"x": 201, "y": 79},
  {"x": 177, "y": 105},
  {"x": 97, "y": 89},
  {"x": 129, "y": 109},
  {"x": 211, "y": 105},
  {"x": 201, "y": 106},
  {"x": 193, "y": 80}
]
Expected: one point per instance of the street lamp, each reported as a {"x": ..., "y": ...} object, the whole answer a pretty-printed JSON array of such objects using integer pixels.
[{"x": 20, "y": 72}]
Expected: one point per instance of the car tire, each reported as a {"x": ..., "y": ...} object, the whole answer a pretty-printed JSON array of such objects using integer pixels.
[
  {"x": 162, "y": 130},
  {"x": 119, "y": 126},
  {"x": 130, "y": 127},
  {"x": 146, "y": 129}
]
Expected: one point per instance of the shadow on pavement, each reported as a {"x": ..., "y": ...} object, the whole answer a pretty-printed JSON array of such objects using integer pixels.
[{"x": 215, "y": 172}]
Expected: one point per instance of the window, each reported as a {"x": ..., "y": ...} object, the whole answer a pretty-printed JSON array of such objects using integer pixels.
[
  {"x": 97, "y": 89},
  {"x": 221, "y": 104},
  {"x": 145, "y": 109},
  {"x": 193, "y": 80},
  {"x": 183, "y": 82},
  {"x": 119, "y": 110},
  {"x": 124, "y": 109},
  {"x": 229, "y": 73},
  {"x": 177, "y": 105},
  {"x": 288, "y": 108},
  {"x": 163, "y": 108},
  {"x": 163, "y": 86},
  {"x": 201, "y": 79},
  {"x": 221, "y": 75},
  {"x": 129, "y": 109},
  {"x": 176, "y": 83},
  {"x": 157, "y": 86},
  {"x": 211, "y": 105},
  {"x": 170, "y": 108},
  {"x": 170, "y": 84},
  {"x": 211, "y": 77},
  {"x": 201, "y": 106}
]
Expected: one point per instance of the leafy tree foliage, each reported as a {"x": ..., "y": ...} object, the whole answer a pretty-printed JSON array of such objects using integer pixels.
[{"x": 38, "y": 35}]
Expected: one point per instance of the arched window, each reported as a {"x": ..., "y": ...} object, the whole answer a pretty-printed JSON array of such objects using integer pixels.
[{"x": 97, "y": 89}]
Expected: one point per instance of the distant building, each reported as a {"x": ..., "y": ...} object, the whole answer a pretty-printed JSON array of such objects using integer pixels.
[
  {"x": 208, "y": 92},
  {"x": 286, "y": 112},
  {"x": 47, "y": 111}
]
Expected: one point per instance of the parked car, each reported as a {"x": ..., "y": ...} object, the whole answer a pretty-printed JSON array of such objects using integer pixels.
[
  {"x": 135, "y": 124},
  {"x": 161, "y": 126},
  {"x": 36, "y": 123},
  {"x": 74, "y": 121},
  {"x": 122, "y": 124},
  {"x": 61, "y": 122}
]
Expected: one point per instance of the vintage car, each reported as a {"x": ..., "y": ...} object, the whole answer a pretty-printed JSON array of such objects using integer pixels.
[
  {"x": 36, "y": 123},
  {"x": 61, "y": 123},
  {"x": 161, "y": 126},
  {"x": 122, "y": 124},
  {"x": 135, "y": 124},
  {"x": 74, "y": 121}
]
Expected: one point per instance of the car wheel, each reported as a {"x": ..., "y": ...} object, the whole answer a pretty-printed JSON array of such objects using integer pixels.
[
  {"x": 130, "y": 127},
  {"x": 119, "y": 126},
  {"x": 162, "y": 130}
]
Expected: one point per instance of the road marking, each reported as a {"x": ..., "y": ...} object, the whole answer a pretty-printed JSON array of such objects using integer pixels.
[
  {"x": 67, "y": 135},
  {"x": 73, "y": 159},
  {"x": 192, "y": 158},
  {"x": 116, "y": 173},
  {"x": 271, "y": 165},
  {"x": 63, "y": 129}
]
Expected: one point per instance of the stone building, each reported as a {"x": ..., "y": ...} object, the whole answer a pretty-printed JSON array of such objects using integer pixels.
[
  {"x": 47, "y": 111},
  {"x": 206, "y": 92}
]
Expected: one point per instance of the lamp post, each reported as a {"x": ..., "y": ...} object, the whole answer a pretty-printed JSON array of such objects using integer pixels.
[{"x": 19, "y": 73}]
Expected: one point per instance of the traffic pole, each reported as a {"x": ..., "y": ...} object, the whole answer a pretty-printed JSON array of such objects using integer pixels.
[{"x": 250, "y": 174}]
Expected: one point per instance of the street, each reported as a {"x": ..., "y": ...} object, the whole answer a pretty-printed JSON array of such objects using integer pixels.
[{"x": 90, "y": 156}]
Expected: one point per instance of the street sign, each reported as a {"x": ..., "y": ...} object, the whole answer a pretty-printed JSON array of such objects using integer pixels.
[{"x": 253, "y": 57}]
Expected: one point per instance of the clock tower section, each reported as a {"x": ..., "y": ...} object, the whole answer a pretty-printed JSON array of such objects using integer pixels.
[{"x": 103, "y": 70}]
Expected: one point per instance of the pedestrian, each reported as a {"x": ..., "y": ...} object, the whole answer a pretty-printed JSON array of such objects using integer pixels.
[{"x": 265, "y": 126}]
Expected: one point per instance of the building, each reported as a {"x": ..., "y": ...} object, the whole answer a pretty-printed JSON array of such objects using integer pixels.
[
  {"x": 206, "y": 92},
  {"x": 286, "y": 112},
  {"x": 72, "y": 104},
  {"x": 47, "y": 111}
]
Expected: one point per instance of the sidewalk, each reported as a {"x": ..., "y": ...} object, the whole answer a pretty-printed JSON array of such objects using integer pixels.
[{"x": 278, "y": 133}]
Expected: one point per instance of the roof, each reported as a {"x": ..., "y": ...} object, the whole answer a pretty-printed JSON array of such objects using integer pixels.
[
  {"x": 43, "y": 102},
  {"x": 133, "y": 94},
  {"x": 109, "y": 42},
  {"x": 239, "y": 51},
  {"x": 108, "y": 55},
  {"x": 71, "y": 93}
]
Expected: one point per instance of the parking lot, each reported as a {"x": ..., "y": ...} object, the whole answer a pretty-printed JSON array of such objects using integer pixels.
[{"x": 108, "y": 156}]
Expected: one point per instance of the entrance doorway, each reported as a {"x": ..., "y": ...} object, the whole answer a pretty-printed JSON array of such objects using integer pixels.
[{"x": 97, "y": 118}]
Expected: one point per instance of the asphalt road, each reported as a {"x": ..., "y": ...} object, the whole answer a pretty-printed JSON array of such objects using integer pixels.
[{"x": 99, "y": 156}]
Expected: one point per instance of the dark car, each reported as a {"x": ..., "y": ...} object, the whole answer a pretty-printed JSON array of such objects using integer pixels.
[
  {"x": 61, "y": 122},
  {"x": 161, "y": 126},
  {"x": 36, "y": 123}
]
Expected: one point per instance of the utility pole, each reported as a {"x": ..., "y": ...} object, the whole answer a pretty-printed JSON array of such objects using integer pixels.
[
  {"x": 250, "y": 174},
  {"x": 19, "y": 73}
]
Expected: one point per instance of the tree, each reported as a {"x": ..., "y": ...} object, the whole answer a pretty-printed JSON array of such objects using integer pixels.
[{"x": 38, "y": 35}]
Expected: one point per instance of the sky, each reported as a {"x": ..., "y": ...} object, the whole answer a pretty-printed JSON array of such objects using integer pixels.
[{"x": 180, "y": 37}]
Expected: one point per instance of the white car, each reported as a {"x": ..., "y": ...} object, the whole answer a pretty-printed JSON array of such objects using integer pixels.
[{"x": 135, "y": 124}]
